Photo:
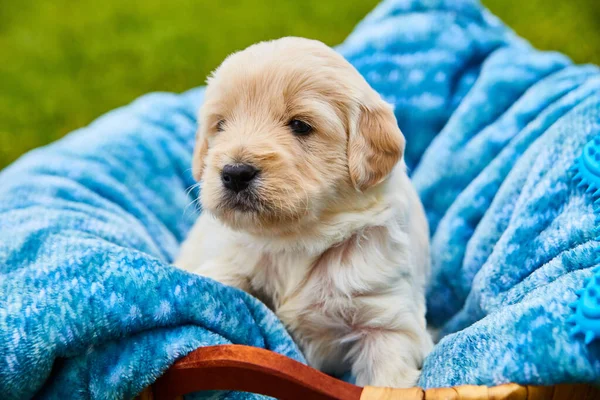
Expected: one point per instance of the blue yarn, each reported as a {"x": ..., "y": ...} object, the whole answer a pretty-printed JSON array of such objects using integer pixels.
[
  {"x": 586, "y": 310},
  {"x": 587, "y": 168},
  {"x": 91, "y": 308},
  {"x": 586, "y": 316}
]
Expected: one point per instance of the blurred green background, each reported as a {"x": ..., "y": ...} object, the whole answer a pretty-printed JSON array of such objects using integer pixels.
[{"x": 65, "y": 62}]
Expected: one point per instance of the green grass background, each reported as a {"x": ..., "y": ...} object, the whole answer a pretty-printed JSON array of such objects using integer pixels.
[{"x": 65, "y": 62}]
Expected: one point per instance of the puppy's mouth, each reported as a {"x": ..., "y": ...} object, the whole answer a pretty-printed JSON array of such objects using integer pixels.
[
  {"x": 254, "y": 205},
  {"x": 246, "y": 201}
]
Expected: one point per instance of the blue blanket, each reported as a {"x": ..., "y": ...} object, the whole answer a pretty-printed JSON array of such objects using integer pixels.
[{"x": 89, "y": 306}]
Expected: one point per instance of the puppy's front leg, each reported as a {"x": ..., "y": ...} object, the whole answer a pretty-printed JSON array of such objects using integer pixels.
[
  {"x": 208, "y": 251},
  {"x": 223, "y": 272},
  {"x": 389, "y": 358}
]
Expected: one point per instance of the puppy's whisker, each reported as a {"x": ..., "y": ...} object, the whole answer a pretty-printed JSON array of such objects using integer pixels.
[
  {"x": 195, "y": 202},
  {"x": 191, "y": 188}
]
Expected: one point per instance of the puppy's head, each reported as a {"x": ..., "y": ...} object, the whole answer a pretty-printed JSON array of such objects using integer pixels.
[{"x": 287, "y": 131}]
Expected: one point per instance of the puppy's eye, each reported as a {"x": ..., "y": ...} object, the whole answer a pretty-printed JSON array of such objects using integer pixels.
[
  {"x": 300, "y": 128},
  {"x": 221, "y": 125}
]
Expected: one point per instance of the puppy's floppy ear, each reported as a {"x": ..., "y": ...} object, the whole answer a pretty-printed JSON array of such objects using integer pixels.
[
  {"x": 375, "y": 144},
  {"x": 200, "y": 150}
]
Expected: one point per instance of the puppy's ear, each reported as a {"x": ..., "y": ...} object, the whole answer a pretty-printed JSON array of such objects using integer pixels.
[
  {"x": 375, "y": 145},
  {"x": 200, "y": 150}
]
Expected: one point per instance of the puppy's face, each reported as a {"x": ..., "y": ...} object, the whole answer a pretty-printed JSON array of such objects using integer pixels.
[{"x": 289, "y": 129}]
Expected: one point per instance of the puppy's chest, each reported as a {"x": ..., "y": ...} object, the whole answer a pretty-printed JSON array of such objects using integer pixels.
[
  {"x": 324, "y": 291},
  {"x": 277, "y": 278}
]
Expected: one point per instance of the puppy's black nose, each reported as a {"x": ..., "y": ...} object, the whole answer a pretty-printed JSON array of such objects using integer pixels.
[{"x": 237, "y": 177}]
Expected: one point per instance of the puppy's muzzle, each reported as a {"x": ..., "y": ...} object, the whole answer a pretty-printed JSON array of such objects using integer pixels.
[{"x": 237, "y": 177}]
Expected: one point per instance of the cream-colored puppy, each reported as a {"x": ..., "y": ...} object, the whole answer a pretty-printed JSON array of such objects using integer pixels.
[{"x": 307, "y": 205}]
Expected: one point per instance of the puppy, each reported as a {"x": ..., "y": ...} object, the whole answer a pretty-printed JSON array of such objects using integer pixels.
[{"x": 307, "y": 205}]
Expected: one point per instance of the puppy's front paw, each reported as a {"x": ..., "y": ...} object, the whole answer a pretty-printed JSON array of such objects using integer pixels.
[
  {"x": 390, "y": 359},
  {"x": 396, "y": 378}
]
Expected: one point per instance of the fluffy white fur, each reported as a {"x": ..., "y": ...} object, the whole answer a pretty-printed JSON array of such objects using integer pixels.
[{"x": 340, "y": 255}]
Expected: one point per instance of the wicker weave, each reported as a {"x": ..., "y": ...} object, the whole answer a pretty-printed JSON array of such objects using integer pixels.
[{"x": 510, "y": 391}]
